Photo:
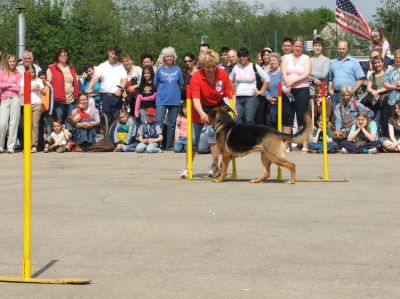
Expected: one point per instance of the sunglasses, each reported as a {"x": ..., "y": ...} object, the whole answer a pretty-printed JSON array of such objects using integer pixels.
[{"x": 187, "y": 61}]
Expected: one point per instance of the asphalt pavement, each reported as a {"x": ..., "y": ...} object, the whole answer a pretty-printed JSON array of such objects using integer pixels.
[{"x": 126, "y": 222}]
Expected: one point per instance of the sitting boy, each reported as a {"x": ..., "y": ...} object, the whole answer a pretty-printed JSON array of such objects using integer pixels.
[{"x": 150, "y": 134}]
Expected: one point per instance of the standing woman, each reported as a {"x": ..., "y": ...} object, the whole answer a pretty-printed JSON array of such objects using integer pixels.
[
  {"x": 190, "y": 67},
  {"x": 296, "y": 69},
  {"x": 10, "y": 80},
  {"x": 319, "y": 65},
  {"x": 392, "y": 84},
  {"x": 248, "y": 90},
  {"x": 64, "y": 79},
  {"x": 271, "y": 94},
  {"x": 169, "y": 80},
  {"x": 375, "y": 86},
  {"x": 265, "y": 56},
  {"x": 209, "y": 85}
]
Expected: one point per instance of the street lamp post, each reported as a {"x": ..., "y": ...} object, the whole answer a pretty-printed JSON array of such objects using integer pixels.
[{"x": 20, "y": 31}]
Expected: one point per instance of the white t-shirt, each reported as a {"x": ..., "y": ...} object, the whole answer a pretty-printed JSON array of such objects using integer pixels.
[
  {"x": 110, "y": 75},
  {"x": 385, "y": 46},
  {"x": 245, "y": 79},
  {"x": 59, "y": 138},
  {"x": 35, "y": 96},
  {"x": 136, "y": 72}
]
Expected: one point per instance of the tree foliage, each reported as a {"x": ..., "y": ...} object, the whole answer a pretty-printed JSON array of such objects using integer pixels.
[
  {"x": 87, "y": 28},
  {"x": 388, "y": 19}
]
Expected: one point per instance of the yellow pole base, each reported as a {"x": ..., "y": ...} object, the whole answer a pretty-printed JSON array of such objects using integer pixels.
[
  {"x": 322, "y": 180},
  {"x": 45, "y": 280}
]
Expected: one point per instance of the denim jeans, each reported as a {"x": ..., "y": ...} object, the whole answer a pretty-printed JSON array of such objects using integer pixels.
[
  {"x": 10, "y": 110},
  {"x": 170, "y": 122},
  {"x": 319, "y": 147},
  {"x": 351, "y": 147},
  {"x": 111, "y": 104},
  {"x": 148, "y": 148},
  {"x": 246, "y": 108},
  {"x": 180, "y": 145},
  {"x": 62, "y": 111},
  {"x": 129, "y": 147}
]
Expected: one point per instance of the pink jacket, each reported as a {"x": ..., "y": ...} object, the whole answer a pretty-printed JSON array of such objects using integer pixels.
[
  {"x": 140, "y": 98},
  {"x": 9, "y": 85}
]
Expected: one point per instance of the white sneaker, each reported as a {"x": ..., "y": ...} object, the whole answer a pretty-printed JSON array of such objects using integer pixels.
[
  {"x": 1, "y": 150},
  {"x": 293, "y": 146},
  {"x": 304, "y": 150},
  {"x": 373, "y": 151},
  {"x": 10, "y": 151},
  {"x": 343, "y": 150},
  {"x": 184, "y": 174},
  {"x": 33, "y": 149}
]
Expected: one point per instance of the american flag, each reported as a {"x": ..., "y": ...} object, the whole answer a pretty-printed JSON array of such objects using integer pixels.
[{"x": 350, "y": 19}]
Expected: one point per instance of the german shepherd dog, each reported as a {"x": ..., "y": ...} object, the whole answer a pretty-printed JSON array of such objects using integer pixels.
[{"x": 236, "y": 140}]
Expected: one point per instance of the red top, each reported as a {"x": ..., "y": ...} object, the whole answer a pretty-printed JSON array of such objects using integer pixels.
[
  {"x": 209, "y": 94},
  {"x": 58, "y": 82}
]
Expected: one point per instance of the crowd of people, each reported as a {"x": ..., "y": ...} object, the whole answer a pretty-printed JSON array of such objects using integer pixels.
[{"x": 363, "y": 105}]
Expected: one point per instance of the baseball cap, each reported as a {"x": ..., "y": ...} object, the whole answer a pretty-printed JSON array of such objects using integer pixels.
[{"x": 151, "y": 111}]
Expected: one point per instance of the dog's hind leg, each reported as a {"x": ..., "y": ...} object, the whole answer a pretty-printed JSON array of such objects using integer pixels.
[
  {"x": 287, "y": 164},
  {"x": 267, "y": 164},
  {"x": 226, "y": 158}
]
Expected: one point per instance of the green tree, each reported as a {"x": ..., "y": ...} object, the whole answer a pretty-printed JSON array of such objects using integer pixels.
[
  {"x": 388, "y": 18},
  {"x": 92, "y": 28},
  {"x": 149, "y": 25}
]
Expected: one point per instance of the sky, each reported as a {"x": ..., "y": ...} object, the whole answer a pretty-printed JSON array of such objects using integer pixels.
[{"x": 366, "y": 7}]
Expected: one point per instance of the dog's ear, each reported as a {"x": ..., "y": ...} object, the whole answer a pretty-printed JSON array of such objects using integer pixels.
[{"x": 213, "y": 113}]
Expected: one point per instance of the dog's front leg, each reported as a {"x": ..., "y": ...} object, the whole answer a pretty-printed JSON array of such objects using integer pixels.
[{"x": 226, "y": 158}]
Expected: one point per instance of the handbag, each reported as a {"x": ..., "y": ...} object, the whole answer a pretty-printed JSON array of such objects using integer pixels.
[{"x": 368, "y": 100}]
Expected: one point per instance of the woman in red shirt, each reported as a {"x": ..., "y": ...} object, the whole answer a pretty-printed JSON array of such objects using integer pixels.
[{"x": 209, "y": 86}]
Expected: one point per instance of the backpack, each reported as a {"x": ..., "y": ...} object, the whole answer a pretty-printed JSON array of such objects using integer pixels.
[
  {"x": 103, "y": 145},
  {"x": 259, "y": 81}
]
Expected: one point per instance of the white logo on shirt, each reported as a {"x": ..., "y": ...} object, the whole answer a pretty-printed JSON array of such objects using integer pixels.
[{"x": 169, "y": 76}]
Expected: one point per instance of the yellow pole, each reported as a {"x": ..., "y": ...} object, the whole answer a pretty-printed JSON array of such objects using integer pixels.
[
  {"x": 26, "y": 262},
  {"x": 26, "y": 276},
  {"x": 324, "y": 136},
  {"x": 279, "y": 176},
  {"x": 234, "y": 171},
  {"x": 189, "y": 155}
]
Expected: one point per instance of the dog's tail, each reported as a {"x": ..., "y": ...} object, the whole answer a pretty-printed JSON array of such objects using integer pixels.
[{"x": 302, "y": 134}]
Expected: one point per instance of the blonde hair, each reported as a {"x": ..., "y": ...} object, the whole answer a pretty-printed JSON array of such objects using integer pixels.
[
  {"x": 7, "y": 69},
  {"x": 208, "y": 57},
  {"x": 347, "y": 89}
]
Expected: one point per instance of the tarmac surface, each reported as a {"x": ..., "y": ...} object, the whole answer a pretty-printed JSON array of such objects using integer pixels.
[{"x": 117, "y": 219}]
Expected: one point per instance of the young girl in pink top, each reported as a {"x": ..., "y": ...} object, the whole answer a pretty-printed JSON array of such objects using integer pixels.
[
  {"x": 180, "y": 145},
  {"x": 147, "y": 93},
  {"x": 10, "y": 107}
]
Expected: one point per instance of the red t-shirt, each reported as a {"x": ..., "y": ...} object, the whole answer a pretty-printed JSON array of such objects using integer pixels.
[{"x": 209, "y": 94}]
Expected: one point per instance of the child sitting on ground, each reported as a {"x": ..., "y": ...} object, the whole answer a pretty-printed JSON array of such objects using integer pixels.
[
  {"x": 363, "y": 136},
  {"x": 150, "y": 134},
  {"x": 316, "y": 144},
  {"x": 58, "y": 139},
  {"x": 125, "y": 133},
  {"x": 181, "y": 131}
]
